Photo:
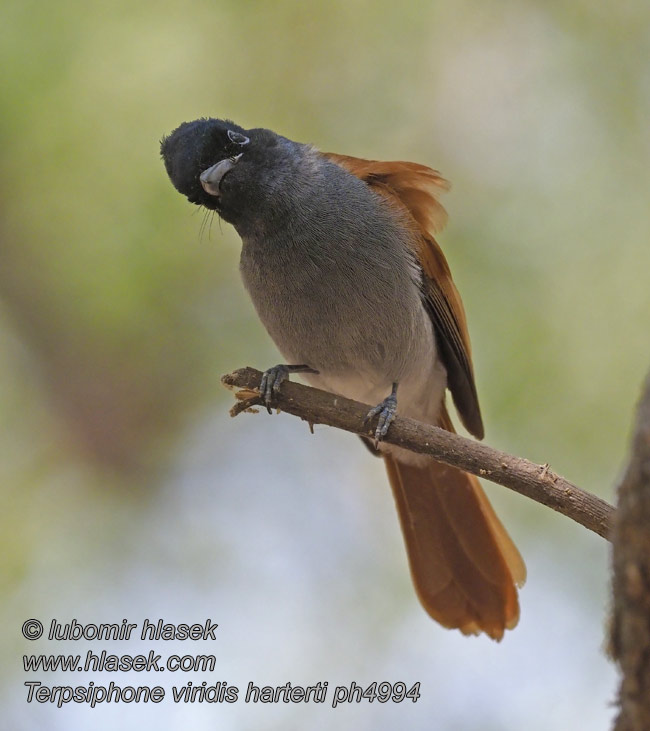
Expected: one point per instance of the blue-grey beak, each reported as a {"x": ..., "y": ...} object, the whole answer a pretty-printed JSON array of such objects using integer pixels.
[{"x": 212, "y": 177}]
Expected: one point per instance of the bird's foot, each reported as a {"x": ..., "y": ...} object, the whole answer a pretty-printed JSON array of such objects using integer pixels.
[
  {"x": 386, "y": 411},
  {"x": 274, "y": 377}
]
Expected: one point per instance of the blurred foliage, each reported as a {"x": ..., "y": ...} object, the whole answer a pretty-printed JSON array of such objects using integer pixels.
[{"x": 118, "y": 316}]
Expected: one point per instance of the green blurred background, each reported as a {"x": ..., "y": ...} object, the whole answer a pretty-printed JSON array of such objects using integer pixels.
[{"x": 126, "y": 489}]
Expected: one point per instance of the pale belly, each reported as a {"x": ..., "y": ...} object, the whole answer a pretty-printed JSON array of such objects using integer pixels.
[{"x": 420, "y": 392}]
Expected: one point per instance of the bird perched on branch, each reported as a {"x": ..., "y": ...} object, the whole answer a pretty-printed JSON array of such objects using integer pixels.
[{"x": 340, "y": 260}]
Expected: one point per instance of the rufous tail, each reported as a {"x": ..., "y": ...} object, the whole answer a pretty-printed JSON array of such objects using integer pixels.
[{"x": 464, "y": 565}]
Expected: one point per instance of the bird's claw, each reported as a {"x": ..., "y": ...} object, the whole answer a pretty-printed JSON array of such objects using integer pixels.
[
  {"x": 270, "y": 384},
  {"x": 274, "y": 377},
  {"x": 386, "y": 411}
]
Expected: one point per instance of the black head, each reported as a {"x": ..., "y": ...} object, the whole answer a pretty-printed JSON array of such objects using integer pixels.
[{"x": 221, "y": 166}]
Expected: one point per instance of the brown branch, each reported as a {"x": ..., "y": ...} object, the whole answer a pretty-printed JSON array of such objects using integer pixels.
[
  {"x": 535, "y": 481},
  {"x": 630, "y": 635}
]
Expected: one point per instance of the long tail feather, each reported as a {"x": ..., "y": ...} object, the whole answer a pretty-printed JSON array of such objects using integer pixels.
[{"x": 464, "y": 565}]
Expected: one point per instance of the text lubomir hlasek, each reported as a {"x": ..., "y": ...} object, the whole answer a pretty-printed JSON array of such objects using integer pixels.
[{"x": 159, "y": 630}]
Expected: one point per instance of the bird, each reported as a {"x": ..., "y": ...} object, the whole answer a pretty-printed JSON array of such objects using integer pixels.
[{"x": 340, "y": 258}]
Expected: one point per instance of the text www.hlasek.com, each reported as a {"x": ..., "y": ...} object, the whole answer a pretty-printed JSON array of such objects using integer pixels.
[{"x": 120, "y": 663}]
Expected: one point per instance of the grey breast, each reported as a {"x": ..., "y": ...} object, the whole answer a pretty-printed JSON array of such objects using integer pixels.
[{"x": 334, "y": 279}]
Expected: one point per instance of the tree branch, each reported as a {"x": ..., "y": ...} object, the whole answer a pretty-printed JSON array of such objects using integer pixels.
[
  {"x": 534, "y": 481},
  {"x": 630, "y": 635}
]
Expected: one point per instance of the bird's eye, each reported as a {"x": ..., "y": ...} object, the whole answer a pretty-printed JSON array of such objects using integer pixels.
[{"x": 238, "y": 138}]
